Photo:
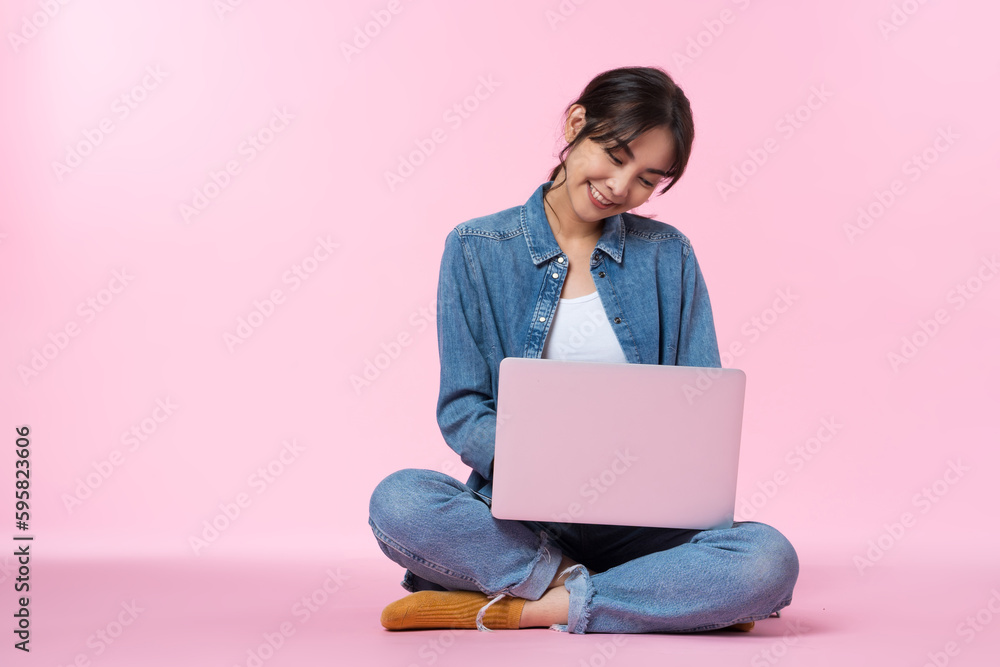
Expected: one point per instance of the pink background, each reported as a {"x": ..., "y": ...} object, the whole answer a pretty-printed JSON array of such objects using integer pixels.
[{"x": 745, "y": 65}]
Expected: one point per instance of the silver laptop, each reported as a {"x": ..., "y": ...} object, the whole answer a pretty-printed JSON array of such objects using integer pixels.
[{"x": 617, "y": 443}]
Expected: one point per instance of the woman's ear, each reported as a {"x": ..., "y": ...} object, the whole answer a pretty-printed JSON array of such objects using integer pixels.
[{"x": 575, "y": 121}]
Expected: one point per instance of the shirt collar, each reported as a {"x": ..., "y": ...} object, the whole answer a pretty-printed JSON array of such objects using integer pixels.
[{"x": 541, "y": 242}]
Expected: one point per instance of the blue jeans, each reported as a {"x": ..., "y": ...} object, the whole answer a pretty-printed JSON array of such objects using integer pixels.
[{"x": 631, "y": 580}]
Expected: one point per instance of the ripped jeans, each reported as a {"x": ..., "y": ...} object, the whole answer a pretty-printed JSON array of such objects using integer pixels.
[{"x": 631, "y": 580}]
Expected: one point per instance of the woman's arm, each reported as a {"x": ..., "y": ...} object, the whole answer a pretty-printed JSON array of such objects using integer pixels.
[
  {"x": 696, "y": 341},
  {"x": 466, "y": 407}
]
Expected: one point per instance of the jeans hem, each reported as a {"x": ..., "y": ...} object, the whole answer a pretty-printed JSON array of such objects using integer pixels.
[
  {"x": 578, "y": 621},
  {"x": 744, "y": 619},
  {"x": 581, "y": 593},
  {"x": 389, "y": 543},
  {"x": 541, "y": 571}
]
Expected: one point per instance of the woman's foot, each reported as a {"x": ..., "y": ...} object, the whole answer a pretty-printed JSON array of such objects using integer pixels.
[
  {"x": 451, "y": 609},
  {"x": 460, "y": 609},
  {"x": 740, "y": 627},
  {"x": 561, "y": 574},
  {"x": 552, "y": 607}
]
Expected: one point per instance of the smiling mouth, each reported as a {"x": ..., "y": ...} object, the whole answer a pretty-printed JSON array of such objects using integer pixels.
[{"x": 598, "y": 197}]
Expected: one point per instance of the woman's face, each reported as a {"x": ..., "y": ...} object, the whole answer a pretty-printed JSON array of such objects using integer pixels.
[{"x": 622, "y": 181}]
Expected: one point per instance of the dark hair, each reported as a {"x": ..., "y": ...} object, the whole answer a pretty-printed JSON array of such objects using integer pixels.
[{"x": 623, "y": 103}]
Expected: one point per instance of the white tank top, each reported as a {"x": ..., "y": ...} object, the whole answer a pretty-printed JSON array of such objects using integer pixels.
[{"x": 580, "y": 331}]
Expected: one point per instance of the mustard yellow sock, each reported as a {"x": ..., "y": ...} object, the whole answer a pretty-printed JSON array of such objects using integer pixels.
[
  {"x": 451, "y": 609},
  {"x": 740, "y": 627}
]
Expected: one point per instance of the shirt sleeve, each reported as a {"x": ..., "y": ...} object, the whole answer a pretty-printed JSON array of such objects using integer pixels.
[
  {"x": 697, "y": 343},
  {"x": 466, "y": 406}
]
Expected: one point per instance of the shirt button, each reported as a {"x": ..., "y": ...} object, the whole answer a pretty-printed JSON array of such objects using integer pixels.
[
  {"x": 541, "y": 319},
  {"x": 555, "y": 275},
  {"x": 601, "y": 274},
  {"x": 618, "y": 320},
  {"x": 560, "y": 260}
]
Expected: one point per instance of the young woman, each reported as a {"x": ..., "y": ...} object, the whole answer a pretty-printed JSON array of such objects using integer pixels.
[{"x": 520, "y": 283}]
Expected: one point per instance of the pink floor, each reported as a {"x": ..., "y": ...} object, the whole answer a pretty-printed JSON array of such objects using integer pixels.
[{"x": 149, "y": 613}]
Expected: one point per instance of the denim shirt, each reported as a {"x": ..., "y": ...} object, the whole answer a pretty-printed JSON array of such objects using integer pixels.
[{"x": 500, "y": 282}]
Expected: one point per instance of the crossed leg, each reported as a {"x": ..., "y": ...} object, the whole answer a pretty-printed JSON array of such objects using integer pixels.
[{"x": 635, "y": 579}]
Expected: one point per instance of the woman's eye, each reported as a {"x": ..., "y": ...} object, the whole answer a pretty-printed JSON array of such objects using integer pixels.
[{"x": 617, "y": 161}]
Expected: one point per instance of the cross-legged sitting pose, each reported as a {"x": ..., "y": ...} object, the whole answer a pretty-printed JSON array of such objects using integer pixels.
[{"x": 572, "y": 274}]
